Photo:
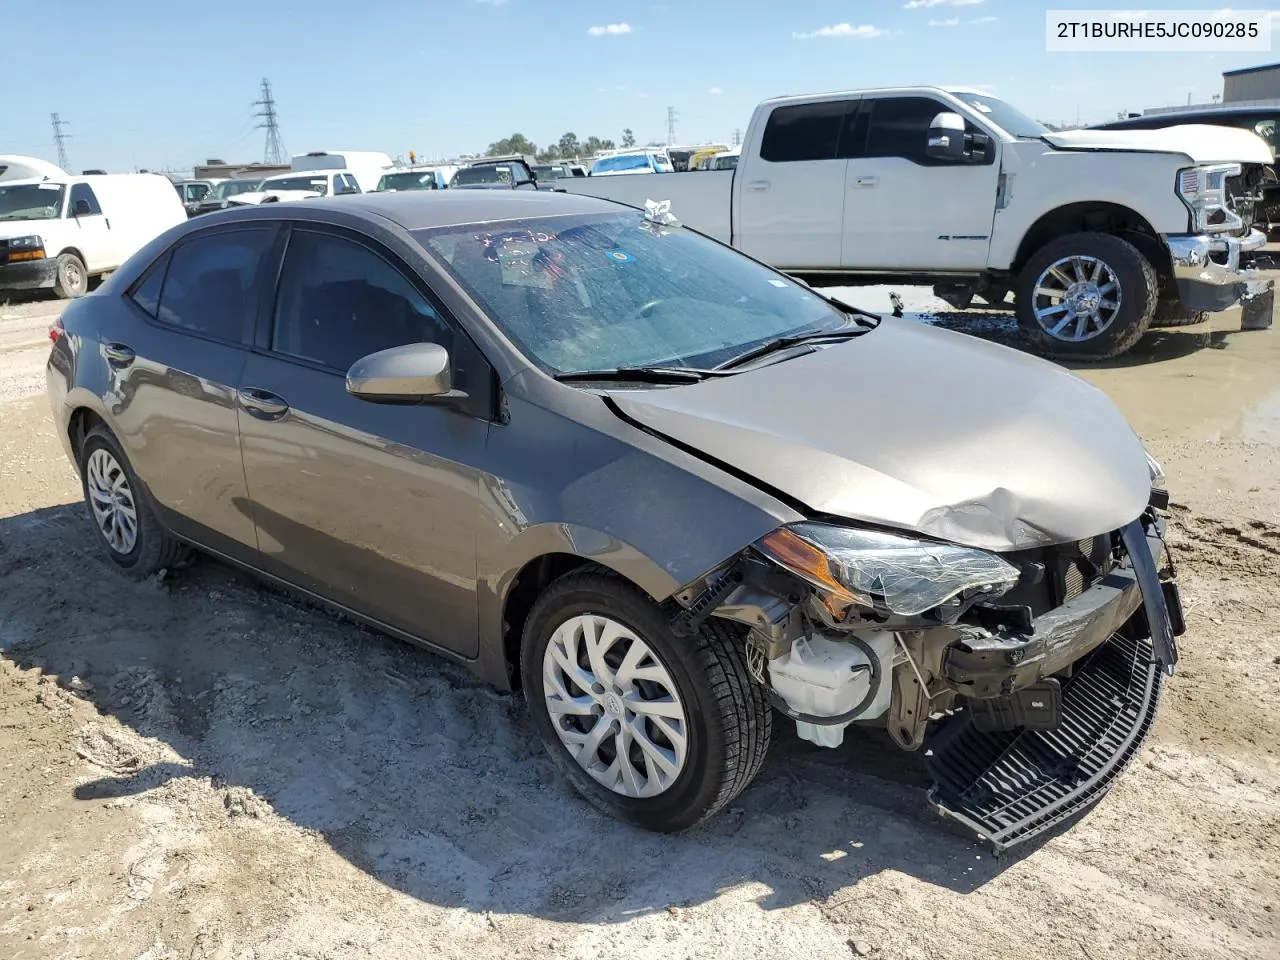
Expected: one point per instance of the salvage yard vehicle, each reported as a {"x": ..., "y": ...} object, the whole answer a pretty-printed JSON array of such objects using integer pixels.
[
  {"x": 415, "y": 178},
  {"x": 605, "y": 459},
  {"x": 1100, "y": 234},
  {"x": 220, "y": 197},
  {"x": 631, "y": 161},
  {"x": 365, "y": 167},
  {"x": 59, "y": 231},
  {"x": 496, "y": 173},
  {"x": 298, "y": 186}
]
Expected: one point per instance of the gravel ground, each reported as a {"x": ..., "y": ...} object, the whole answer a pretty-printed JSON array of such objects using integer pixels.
[{"x": 204, "y": 768}]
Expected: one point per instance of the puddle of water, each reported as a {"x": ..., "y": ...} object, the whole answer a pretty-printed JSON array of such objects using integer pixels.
[{"x": 1261, "y": 422}]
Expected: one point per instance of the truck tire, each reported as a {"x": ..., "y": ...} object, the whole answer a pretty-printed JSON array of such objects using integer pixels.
[
  {"x": 1171, "y": 313},
  {"x": 1086, "y": 296},
  {"x": 70, "y": 279}
]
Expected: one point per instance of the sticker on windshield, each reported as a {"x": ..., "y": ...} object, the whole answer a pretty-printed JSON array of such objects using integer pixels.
[
  {"x": 48, "y": 186},
  {"x": 778, "y": 283},
  {"x": 618, "y": 256}
]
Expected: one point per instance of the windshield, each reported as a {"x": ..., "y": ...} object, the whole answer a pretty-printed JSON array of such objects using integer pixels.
[
  {"x": 606, "y": 291},
  {"x": 492, "y": 173},
  {"x": 408, "y": 180},
  {"x": 233, "y": 188},
  {"x": 1013, "y": 122},
  {"x": 316, "y": 184},
  {"x": 633, "y": 161},
  {"x": 30, "y": 201}
]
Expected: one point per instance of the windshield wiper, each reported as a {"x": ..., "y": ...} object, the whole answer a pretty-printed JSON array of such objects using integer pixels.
[
  {"x": 794, "y": 340},
  {"x": 639, "y": 375}
]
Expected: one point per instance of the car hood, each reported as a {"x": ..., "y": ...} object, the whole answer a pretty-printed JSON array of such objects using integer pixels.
[
  {"x": 26, "y": 228},
  {"x": 258, "y": 197},
  {"x": 922, "y": 430},
  {"x": 1202, "y": 142}
]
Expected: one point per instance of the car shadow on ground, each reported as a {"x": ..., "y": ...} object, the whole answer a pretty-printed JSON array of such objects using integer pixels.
[{"x": 412, "y": 770}]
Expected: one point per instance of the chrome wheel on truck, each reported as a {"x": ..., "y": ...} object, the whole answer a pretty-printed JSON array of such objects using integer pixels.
[{"x": 1077, "y": 298}]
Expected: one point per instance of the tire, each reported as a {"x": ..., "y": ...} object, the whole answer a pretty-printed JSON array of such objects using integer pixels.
[
  {"x": 727, "y": 720},
  {"x": 105, "y": 469},
  {"x": 1171, "y": 313},
  {"x": 1131, "y": 272},
  {"x": 70, "y": 279}
]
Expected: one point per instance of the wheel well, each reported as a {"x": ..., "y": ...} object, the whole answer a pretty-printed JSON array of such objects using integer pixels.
[
  {"x": 534, "y": 577},
  {"x": 79, "y": 255},
  {"x": 1095, "y": 217},
  {"x": 82, "y": 421}
]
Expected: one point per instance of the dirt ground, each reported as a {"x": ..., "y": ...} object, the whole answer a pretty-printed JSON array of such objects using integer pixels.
[{"x": 204, "y": 768}]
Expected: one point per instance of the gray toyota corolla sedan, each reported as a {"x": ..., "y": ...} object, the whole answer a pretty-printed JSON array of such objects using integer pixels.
[{"x": 670, "y": 493}]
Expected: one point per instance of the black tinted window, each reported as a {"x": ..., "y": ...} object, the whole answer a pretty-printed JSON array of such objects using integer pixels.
[
  {"x": 900, "y": 127},
  {"x": 340, "y": 301},
  {"x": 809, "y": 131},
  {"x": 82, "y": 191},
  {"x": 146, "y": 292},
  {"x": 208, "y": 288}
]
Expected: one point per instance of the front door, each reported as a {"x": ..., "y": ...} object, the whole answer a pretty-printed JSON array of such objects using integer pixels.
[
  {"x": 369, "y": 505},
  {"x": 92, "y": 234},
  {"x": 792, "y": 197},
  {"x": 175, "y": 358},
  {"x": 905, "y": 210}
]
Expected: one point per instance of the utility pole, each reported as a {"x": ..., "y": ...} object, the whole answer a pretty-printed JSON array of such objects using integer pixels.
[
  {"x": 275, "y": 152},
  {"x": 672, "y": 116},
  {"x": 60, "y": 139}
]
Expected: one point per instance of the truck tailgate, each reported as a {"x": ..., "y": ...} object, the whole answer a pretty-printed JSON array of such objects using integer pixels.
[{"x": 700, "y": 199}]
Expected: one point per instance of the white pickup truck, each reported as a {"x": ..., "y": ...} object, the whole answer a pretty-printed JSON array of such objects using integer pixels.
[{"x": 1098, "y": 233}]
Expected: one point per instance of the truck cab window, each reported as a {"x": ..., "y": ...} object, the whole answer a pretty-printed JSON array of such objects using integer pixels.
[
  {"x": 807, "y": 131},
  {"x": 899, "y": 127}
]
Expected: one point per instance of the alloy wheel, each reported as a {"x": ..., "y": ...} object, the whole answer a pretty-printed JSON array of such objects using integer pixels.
[
  {"x": 1076, "y": 298},
  {"x": 614, "y": 706},
  {"x": 111, "y": 500}
]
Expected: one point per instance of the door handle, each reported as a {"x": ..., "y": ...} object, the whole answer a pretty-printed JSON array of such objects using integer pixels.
[
  {"x": 758, "y": 185},
  {"x": 263, "y": 404},
  {"x": 118, "y": 354},
  {"x": 867, "y": 181}
]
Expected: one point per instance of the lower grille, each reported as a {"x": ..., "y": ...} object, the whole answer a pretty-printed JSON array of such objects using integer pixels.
[{"x": 1010, "y": 786}]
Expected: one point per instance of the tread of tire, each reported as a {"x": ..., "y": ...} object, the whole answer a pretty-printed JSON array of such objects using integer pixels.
[{"x": 1173, "y": 314}]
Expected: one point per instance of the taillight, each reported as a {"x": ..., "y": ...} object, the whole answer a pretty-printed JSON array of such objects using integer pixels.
[{"x": 56, "y": 330}]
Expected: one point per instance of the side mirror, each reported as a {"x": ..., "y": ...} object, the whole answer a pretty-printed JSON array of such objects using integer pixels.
[
  {"x": 81, "y": 208},
  {"x": 416, "y": 371},
  {"x": 946, "y": 138}
]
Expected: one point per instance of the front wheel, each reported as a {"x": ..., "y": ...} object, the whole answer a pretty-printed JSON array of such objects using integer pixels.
[
  {"x": 1086, "y": 296},
  {"x": 657, "y": 730},
  {"x": 70, "y": 278}
]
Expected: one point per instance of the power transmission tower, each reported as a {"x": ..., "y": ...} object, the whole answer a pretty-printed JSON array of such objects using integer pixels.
[
  {"x": 275, "y": 152},
  {"x": 60, "y": 139},
  {"x": 737, "y": 137},
  {"x": 672, "y": 116}
]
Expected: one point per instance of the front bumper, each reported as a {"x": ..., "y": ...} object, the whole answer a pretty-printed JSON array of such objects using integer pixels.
[
  {"x": 1212, "y": 272},
  {"x": 28, "y": 274}
]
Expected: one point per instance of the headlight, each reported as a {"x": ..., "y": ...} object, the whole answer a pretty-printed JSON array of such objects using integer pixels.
[
  {"x": 1157, "y": 472},
  {"x": 26, "y": 243},
  {"x": 903, "y": 575},
  {"x": 24, "y": 248},
  {"x": 1204, "y": 191}
]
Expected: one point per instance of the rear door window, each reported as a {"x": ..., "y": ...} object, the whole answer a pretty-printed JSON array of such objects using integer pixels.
[
  {"x": 807, "y": 131},
  {"x": 211, "y": 285}
]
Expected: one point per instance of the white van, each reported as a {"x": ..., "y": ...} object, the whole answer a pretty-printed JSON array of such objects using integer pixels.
[
  {"x": 367, "y": 167},
  {"x": 58, "y": 231}
]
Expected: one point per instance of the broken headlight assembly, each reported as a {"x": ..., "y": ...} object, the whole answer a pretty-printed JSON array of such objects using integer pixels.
[{"x": 885, "y": 572}]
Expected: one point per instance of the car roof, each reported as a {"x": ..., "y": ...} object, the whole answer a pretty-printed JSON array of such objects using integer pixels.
[{"x": 419, "y": 210}]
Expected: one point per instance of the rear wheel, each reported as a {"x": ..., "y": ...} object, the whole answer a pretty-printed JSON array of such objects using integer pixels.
[
  {"x": 121, "y": 511},
  {"x": 70, "y": 279},
  {"x": 1086, "y": 296},
  {"x": 657, "y": 730}
]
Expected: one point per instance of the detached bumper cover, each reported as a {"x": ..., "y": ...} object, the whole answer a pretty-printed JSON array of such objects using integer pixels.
[
  {"x": 1010, "y": 786},
  {"x": 1212, "y": 272},
  {"x": 28, "y": 274}
]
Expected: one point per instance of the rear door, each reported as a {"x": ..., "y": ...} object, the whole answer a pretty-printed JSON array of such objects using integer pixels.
[
  {"x": 175, "y": 364},
  {"x": 904, "y": 209},
  {"x": 791, "y": 195},
  {"x": 92, "y": 234},
  {"x": 372, "y": 506}
]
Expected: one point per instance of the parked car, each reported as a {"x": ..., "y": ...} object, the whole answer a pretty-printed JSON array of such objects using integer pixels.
[
  {"x": 415, "y": 178},
  {"x": 221, "y": 195},
  {"x": 365, "y": 166},
  {"x": 1099, "y": 233},
  {"x": 496, "y": 173},
  {"x": 191, "y": 192},
  {"x": 727, "y": 160},
  {"x": 59, "y": 231},
  {"x": 298, "y": 186},
  {"x": 1257, "y": 187},
  {"x": 548, "y": 173},
  {"x": 634, "y": 161},
  {"x": 435, "y": 412}
]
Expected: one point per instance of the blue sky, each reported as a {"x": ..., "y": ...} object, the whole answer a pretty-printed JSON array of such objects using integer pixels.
[{"x": 157, "y": 85}]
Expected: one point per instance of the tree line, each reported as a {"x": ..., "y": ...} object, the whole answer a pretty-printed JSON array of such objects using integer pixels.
[{"x": 566, "y": 148}]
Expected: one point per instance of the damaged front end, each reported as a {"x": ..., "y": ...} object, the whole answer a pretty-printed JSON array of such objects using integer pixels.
[{"x": 1031, "y": 676}]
